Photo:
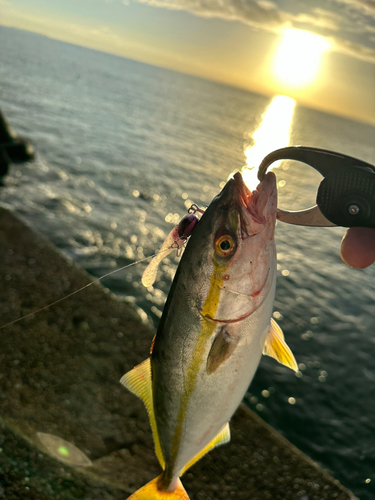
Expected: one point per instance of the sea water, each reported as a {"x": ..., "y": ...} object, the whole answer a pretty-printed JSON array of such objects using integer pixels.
[{"x": 123, "y": 149}]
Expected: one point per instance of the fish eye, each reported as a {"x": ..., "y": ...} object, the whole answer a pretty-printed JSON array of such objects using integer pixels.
[{"x": 225, "y": 245}]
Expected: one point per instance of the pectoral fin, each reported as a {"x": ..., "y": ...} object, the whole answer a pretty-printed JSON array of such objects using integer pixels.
[
  {"x": 138, "y": 381},
  {"x": 149, "y": 274},
  {"x": 222, "y": 348},
  {"x": 221, "y": 438},
  {"x": 276, "y": 347}
]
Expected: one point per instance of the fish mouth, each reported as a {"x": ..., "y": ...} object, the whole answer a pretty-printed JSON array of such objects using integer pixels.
[
  {"x": 243, "y": 191},
  {"x": 248, "y": 209},
  {"x": 254, "y": 207}
]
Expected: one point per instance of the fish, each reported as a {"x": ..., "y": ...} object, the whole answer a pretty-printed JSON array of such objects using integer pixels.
[{"x": 216, "y": 324}]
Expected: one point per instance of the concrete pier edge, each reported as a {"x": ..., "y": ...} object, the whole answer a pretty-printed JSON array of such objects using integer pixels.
[{"x": 59, "y": 374}]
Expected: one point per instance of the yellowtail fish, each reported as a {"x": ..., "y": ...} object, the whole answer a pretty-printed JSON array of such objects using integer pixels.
[{"x": 215, "y": 326}]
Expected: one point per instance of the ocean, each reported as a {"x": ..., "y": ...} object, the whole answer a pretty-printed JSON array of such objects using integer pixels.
[{"x": 124, "y": 148}]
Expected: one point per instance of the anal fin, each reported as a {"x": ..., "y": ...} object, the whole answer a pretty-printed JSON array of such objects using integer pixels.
[
  {"x": 138, "y": 381},
  {"x": 276, "y": 347},
  {"x": 221, "y": 438}
]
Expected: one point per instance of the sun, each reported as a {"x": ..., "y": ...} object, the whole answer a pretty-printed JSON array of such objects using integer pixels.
[{"x": 298, "y": 57}]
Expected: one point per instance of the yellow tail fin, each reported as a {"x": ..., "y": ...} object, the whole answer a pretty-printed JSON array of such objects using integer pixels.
[{"x": 152, "y": 492}]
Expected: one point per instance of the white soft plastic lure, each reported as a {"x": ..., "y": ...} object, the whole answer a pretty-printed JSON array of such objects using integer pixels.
[
  {"x": 176, "y": 239},
  {"x": 171, "y": 242}
]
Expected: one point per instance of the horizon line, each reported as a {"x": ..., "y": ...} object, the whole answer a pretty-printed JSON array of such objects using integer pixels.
[{"x": 299, "y": 102}]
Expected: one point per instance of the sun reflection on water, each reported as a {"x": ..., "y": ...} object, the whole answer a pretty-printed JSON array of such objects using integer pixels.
[{"x": 272, "y": 133}]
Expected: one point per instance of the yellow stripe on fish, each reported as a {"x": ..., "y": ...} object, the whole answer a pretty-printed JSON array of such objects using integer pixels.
[{"x": 208, "y": 327}]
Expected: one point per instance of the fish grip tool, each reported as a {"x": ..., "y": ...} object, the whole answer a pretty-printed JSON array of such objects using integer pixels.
[{"x": 346, "y": 195}]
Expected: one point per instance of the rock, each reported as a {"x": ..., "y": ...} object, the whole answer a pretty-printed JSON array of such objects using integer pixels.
[{"x": 13, "y": 149}]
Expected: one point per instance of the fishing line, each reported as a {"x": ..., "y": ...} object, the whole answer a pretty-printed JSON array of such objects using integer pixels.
[{"x": 96, "y": 280}]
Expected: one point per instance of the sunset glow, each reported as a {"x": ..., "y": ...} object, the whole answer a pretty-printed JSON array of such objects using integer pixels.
[
  {"x": 322, "y": 54},
  {"x": 298, "y": 57}
]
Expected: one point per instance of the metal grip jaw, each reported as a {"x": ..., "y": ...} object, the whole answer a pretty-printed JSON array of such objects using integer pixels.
[{"x": 346, "y": 197}]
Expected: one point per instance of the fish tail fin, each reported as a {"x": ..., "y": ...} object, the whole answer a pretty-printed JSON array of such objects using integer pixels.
[{"x": 151, "y": 491}]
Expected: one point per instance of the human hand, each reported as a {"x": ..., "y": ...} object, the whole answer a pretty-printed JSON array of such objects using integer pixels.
[{"x": 358, "y": 247}]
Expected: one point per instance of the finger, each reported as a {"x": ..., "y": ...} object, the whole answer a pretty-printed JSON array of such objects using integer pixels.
[{"x": 358, "y": 247}]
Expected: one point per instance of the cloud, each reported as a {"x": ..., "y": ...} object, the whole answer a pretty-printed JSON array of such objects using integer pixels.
[
  {"x": 349, "y": 33},
  {"x": 319, "y": 18},
  {"x": 262, "y": 13},
  {"x": 353, "y": 49},
  {"x": 365, "y": 6}
]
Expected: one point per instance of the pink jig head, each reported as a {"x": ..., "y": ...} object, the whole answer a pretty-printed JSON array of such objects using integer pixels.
[
  {"x": 186, "y": 225},
  {"x": 176, "y": 239}
]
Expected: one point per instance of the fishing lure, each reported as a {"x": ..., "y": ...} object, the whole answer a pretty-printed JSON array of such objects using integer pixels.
[{"x": 176, "y": 239}]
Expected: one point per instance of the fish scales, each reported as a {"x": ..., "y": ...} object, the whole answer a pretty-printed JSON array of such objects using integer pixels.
[{"x": 214, "y": 328}]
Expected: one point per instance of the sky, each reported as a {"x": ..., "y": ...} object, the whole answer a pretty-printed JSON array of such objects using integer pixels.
[{"x": 320, "y": 52}]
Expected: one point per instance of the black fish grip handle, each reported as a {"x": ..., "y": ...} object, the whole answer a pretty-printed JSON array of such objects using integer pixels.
[{"x": 346, "y": 197}]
